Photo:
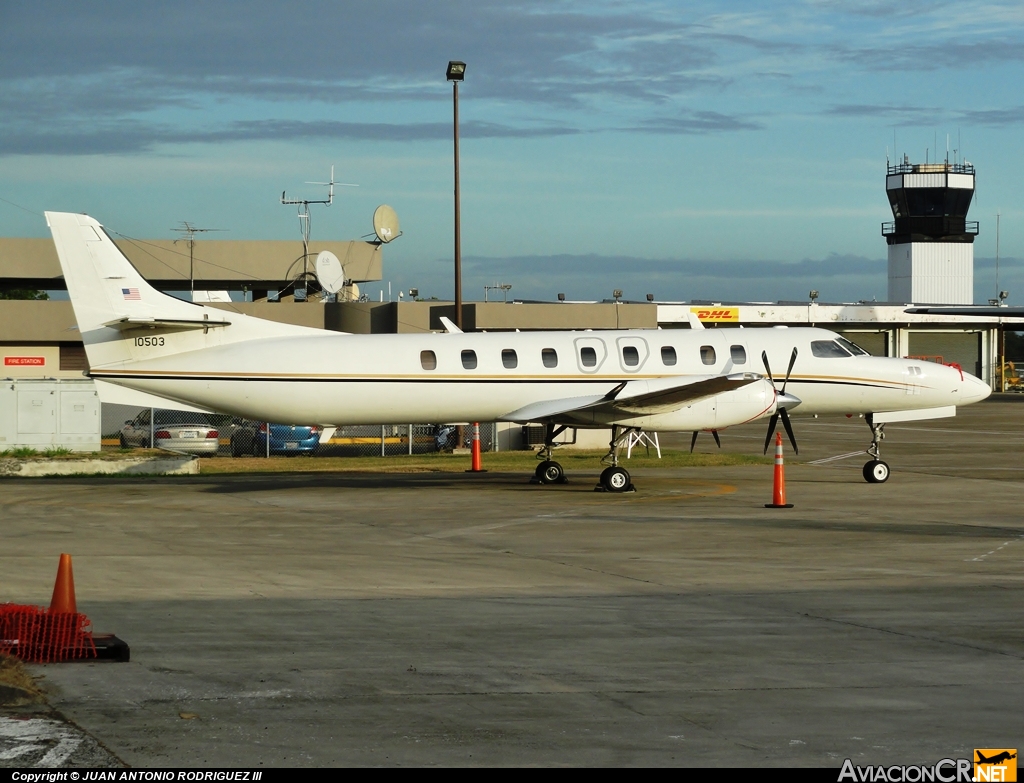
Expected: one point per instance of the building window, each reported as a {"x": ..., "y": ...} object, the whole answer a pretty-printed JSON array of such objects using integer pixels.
[
  {"x": 509, "y": 360},
  {"x": 738, "y": 354},
  {"x": 707, "y": 354},
  {"x": 630, "y": 356},
  {"x": 668, "y": 355},
  {"x": 588, "y": 357},
  {"x": 549, "y": 357},
  {"x": 469, "y": 360},
  {"x": 428, "y": 361}
]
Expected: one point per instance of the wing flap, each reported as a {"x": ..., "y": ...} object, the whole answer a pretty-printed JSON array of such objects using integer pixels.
[{"x": 630, "y": 399}]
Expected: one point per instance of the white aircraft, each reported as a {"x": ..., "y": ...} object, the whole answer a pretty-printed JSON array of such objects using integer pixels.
[{"x": 140, "y": 339}]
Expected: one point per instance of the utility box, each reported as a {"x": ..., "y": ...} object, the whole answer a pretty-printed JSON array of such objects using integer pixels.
[{"x": 49, "y": 414}]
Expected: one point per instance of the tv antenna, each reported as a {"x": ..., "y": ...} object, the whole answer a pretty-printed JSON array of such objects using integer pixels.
[
  {"x": 188, "y": 232},
  {"x": 304, "y": 221}
]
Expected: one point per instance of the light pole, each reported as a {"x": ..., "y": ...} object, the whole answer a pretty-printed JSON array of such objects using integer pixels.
[{"x": 455, "y": 74}]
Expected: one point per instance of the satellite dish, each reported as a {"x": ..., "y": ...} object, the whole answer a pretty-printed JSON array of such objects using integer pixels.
[
  {"x": 329, "y": 272},
  {"x": 385, "y": 223}
]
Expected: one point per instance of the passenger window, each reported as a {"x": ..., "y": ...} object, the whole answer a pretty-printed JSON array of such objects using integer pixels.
[
  {"x": 630, "y": 356},
  {"x": 469, "y": 360},
  {"x": 588, "y": 357},
  {"x": 428, "y": 361},
  {"x": 738, "y": 354},
  {"x": 828, "y": 349},
  {"x": 509, "y": 360},
  {"x": 668, "y": 355},
  {"x": 707, "y": 354},
  {"x": 549, "y": 357}
]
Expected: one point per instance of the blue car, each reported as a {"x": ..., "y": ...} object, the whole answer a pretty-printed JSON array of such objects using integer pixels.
[{"x": 250, "y": 438}]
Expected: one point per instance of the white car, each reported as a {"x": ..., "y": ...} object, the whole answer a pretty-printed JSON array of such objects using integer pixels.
[{"x": 198, "y": 437}]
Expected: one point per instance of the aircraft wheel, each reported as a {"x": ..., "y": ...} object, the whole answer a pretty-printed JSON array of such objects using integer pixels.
[
  {"x": 615, "y": 479},
  {"x": 876, "y": 472},
  {"x": 550, "y": 472}
]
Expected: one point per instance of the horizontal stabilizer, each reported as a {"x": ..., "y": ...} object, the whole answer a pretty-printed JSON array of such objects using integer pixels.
[
  {"x": 124, "y": 324},
  {"x": 631, "y": 399}
]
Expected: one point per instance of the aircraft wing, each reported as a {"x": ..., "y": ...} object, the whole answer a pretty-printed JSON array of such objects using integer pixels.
[{"x": 630, "y": 399}]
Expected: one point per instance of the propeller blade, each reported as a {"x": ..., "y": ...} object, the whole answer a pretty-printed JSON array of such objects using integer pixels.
[
  {"x": 767, "y": 367},
  {"x": 714, "y": 434},
  {"x": 789, "y": 429},
  {"x": 693, "y": 440},
  {"x": 792, "y": 361},
  {"x": 772, "y": 422}
]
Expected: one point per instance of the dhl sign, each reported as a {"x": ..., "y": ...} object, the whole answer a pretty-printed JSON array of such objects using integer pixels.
[{"x": 716, "y": 314}]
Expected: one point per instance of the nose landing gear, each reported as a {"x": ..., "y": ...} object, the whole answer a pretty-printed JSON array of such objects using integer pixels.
[{"x": 875, "y": 470}]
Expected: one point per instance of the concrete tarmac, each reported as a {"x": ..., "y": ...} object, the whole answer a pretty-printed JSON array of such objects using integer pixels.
[{"x": 452, "y": 619}]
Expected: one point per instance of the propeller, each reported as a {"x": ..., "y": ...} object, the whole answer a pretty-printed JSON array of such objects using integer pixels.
[
  {"x": 780, "y": 411},
  {"x": 714, "y": 434}
]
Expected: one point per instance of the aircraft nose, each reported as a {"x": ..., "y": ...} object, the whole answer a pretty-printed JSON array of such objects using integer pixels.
[{"x": 973, "y": 389}]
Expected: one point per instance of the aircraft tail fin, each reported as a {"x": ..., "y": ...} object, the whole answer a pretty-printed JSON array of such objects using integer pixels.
[
  {"x": 122, "y": 318},
  {"x": 103, "y": 285}
]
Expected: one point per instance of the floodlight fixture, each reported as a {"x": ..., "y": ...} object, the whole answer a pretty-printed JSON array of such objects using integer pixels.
[{"x": 456, "y": 71}]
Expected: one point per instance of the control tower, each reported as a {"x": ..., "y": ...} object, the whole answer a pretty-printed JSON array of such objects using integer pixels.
[{"x": 931, "y": 242}]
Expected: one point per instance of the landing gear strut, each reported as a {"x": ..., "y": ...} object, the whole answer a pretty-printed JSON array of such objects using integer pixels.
[
  {"x": 549, "y": 471},
  {"x": 614, "y": 478},
  {"x": 875, "y": 470}
]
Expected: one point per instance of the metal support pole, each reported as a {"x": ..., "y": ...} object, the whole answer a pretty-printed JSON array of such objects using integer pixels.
[
  {"x": 152, "y": 428},
  {"x": 268, "y": 440},
  {"x": 382, "y": 440},
  {"x": 458, "y": 218},
  {"x": 410, "y": 440}
]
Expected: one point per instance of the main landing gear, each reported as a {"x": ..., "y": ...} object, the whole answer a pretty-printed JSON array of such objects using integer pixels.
[
  {"x": 613, "y": 478},
  {"x": 875, "y": 470},
  {"x": 549, "y": 471}
]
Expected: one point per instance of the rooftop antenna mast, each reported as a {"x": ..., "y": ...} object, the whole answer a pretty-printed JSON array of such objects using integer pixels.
[
  {"x": 303, "y": 204},
  {"x": 188, "y": 232}
]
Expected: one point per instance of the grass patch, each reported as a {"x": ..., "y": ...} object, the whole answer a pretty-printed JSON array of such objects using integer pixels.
[
  {"x": 14, "y": 674},
  {"x": 508, "y": 461}
]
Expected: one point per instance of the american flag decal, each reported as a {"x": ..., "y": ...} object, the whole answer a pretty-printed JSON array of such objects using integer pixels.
[{"x": 131, "y": 294}]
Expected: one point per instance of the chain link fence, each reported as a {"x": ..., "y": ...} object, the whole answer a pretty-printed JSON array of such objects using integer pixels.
[{"x": 211, "y": 434}]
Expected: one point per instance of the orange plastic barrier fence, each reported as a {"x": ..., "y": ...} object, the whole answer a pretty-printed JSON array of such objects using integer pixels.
[{"x": 36, "y": 635}]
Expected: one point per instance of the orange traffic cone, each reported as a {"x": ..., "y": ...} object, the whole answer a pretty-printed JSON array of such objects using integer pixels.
[
  {"x": 779, "y": 490},
  {"x": 63, "y": 601},
  {"x": 476, "y": 450}
]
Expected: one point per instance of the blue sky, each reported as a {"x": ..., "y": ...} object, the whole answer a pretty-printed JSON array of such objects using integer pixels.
[{"x": 699, "y": 150}]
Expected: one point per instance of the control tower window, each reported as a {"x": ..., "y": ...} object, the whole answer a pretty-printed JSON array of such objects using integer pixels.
[
  {"x": 829, "y": 349},
  {"x": 707, "y": 354},
  {"x": 428, "y": 360}
]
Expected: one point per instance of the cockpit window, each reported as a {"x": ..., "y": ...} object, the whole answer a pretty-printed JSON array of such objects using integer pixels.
[
  {"x": 853, "y": 348},
  {"x": 829, "y": 349}
]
